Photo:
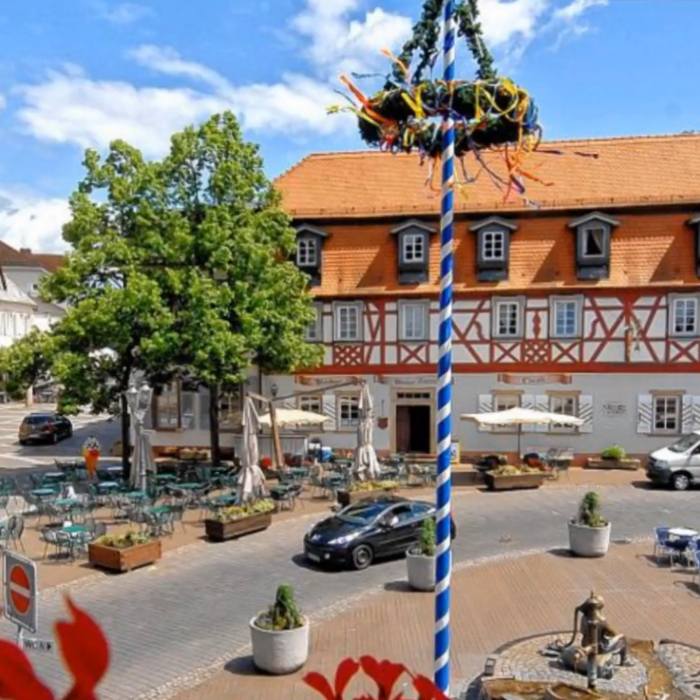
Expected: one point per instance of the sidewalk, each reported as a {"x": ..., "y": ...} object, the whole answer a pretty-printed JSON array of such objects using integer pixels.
[{"x": 493, "y": 603}]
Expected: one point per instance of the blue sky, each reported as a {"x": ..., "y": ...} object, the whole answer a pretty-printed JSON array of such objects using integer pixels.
[{"x": 80, "y": 73}]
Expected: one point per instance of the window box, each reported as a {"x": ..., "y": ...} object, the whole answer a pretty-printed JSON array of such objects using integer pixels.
[
  {"x": 493, "y": 248},
  {"x": 593, "y": 233},
  {"x": 413, "y": 251},
  {"x": 507, "y": 318},
  {"x": 348, "y": 322},
  {"x": 414, "y": 321}
]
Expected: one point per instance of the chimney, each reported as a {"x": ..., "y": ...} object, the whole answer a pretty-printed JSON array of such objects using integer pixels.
[{"x": 28, "y": 251}]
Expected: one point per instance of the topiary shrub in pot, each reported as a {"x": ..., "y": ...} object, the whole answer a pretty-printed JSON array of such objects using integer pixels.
[
  {"x": 280, "y": 635},
  {"x": 420, "y": 559},
  {"x": 589, "y": 531}
]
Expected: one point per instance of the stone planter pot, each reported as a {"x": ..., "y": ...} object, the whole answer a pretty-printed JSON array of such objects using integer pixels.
[
  {"x": 508, "y": 482},
  {"x": 627, "y": 463},
  {"x": 125, "y": 558},
  {"x": 346, "y": 498},
  {"x": 421, "y": 571},
  {"x": 587, "y": 541},
  {"x": 219, "y": 532},
  {"x": 279, "y": 652}
]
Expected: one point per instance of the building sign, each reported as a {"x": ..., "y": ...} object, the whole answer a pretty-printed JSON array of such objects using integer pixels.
[
  {"x": 322, "y": 381},
  {"x": 530, "y": 379},
  {"x": 407, "y": 380},
  {"x": 614, "y": 410}
]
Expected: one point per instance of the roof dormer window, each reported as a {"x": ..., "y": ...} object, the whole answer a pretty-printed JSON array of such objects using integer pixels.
[
  {"x": 309, "y": 252},
  {"x": 413, "y": 246},
  {"x": 493, "y": 248},
  {"x": 593, "y": 233}
]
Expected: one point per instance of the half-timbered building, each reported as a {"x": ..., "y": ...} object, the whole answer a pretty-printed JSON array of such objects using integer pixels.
[{"x": 584, "y": 301}]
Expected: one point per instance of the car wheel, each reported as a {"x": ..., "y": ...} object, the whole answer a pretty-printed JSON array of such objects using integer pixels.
[
  {"x": 362, "y": 557},
  {"x": 680, "y": 481}
]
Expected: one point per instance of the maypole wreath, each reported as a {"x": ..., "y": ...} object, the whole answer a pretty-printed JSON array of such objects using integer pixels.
[{"x": 490, "y": 112}]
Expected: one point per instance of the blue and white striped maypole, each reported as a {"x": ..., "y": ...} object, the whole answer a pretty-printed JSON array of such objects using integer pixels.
[{"x": 444, "y": 398}]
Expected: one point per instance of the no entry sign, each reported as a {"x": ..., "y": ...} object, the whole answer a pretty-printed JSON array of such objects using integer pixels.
[{"x": 19, "y": 590}]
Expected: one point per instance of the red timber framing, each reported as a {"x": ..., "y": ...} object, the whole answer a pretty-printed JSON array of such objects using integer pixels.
[{"x": 622, "y": 331}]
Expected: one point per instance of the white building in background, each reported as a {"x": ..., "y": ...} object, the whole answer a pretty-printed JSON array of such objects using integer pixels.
[{"x": 17, "y": 312}]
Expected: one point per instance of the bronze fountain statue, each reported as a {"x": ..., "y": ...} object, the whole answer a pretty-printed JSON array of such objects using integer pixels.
[{"x": 599, "y": 645}]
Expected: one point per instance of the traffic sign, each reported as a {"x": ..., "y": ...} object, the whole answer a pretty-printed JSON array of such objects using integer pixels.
[
  {"x": 19, "y": 576},
  {"x": 31, "y": 644}
]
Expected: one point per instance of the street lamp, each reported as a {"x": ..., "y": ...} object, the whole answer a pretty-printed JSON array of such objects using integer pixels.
[{"x": 274, "y": 390}]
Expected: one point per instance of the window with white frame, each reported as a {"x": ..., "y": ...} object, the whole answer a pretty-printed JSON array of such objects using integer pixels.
[
  {"x": 493, "y": 245},
  {"x": 349, "y": 411},
  {"x": 413, "y": 248},
  {"x": 504, "y": 402},
  {"x": 230, "y": 411},
  {"x": 307, "y": 252},
  {"x": 564, "y": 405},
  {"x": 666, "y": 414},
  {"x": 684, "y": 316},
  {"x": 348, "y": 320},
  {"x": 507, "y": 318},
  {"x": 414, "y": 320},
  {"x": 314, "y": 329},
  {"x": 566, "y": 318},
  {"x": 593, "y": 242},
  {"x": 313, "y": 403},
  {"x": 167, "y": 408}
]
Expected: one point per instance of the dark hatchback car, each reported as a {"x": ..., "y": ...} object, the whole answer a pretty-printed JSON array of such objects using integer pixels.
[
  {"x": 44, "y": 427},
  {"x": 368, "y": 530}
]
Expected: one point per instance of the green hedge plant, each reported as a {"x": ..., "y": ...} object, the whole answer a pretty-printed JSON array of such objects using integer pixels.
[{"x": 616, "y": 452}]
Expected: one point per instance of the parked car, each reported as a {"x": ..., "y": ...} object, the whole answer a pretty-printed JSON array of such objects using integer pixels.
[
  {"x": 677, "y": 465},
  {"x": 46, "y": 426},
  {"x": 368, "y": 530}
]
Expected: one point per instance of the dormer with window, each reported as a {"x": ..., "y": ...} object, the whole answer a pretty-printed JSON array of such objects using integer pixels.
[
  {"x": 593, "y": 233},
  {"x": 413, "y": 245},
  {"x": 309, "y": 252},
  {"x": 694, "y": 223},
  {"x": 493, "y": 248}
]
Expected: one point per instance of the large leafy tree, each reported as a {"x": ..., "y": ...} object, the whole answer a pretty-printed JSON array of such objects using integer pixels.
[
  {"x": 233, "y": 247},
  {"x": 27, "y": 362}
]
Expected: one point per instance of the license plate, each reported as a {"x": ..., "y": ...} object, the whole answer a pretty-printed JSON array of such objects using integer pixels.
[{"x": 313, "y": 557}]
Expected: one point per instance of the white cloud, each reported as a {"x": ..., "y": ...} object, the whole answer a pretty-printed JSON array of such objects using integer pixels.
[
  {"x": 3, "y": 102},
  {"x": 33, "y": 222},
  {"x": 123, "y": 13}
]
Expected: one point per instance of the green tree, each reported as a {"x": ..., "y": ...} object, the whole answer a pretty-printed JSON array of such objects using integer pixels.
[
  {"x": 27, "y": 362},
  {"x": 117, "y": 322},
  {"x": 234, "y": 250}
]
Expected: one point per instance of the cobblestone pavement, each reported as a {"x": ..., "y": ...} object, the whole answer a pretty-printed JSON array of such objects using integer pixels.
[{"x": 193, "y": 609}]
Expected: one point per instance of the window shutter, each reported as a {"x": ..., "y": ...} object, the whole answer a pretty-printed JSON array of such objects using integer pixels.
[
  {"x": 696, "y": 413},
  {"x": 585, "y": 413},
  {"x": 485, "y": 405},
  {"x": 329, "y": 409},
  {"x": 645, "y": 404},
  {"x": 687, "y": 414}
]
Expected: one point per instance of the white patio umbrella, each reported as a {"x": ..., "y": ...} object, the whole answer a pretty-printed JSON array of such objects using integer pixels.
[
  {"x": 366, "y": 462},
  {"x": 521, "y": 416},
  {"x": 251, "y": 480},
  {"x": 293, "y": 416}
]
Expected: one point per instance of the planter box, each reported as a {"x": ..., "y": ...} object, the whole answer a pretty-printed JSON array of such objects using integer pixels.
[
  {"x": 508, "y": 482},
  {"x": 421, "y": 571},
  {"x": 600, "y": 463},
  {"x": 219, "y": 532},
  {"x": 587, "y": 541},
  {"x": 279, "y": 652},
  {"x": 346, "y": 498},
  {"x": 125, "y": 559}
]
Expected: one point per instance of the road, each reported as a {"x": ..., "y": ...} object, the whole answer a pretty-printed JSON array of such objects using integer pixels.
[
  {"x": 192, "y": 610},
  {"x": 15, "y": 458}
]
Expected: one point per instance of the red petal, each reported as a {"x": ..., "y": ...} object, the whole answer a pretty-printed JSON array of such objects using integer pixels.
[
  {"x": 320, "y": 684},
  {"x": 85, "y": 651},
  {"x": 427, "y": 690},
  {"x": 17, "y": 679},
  {"x": 383, "y": 673},
  {"x": 343, "y": 675}
]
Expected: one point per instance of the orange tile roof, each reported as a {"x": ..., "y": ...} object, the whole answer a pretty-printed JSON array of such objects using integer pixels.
[
  {"x": 624, "y": 171},
  {"x": 49, "y": 261}
]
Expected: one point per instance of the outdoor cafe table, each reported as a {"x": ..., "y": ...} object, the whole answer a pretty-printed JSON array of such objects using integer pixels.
[
  {"x": 53, "y": 476},
  {"x": 165, "y": 478},
  {"x": 106, "y": 486},
  {"x": 74, "y": 530},
  {"x": 225, "y": 500},
  {"x": 43, "y": 492},
  {"x": 187, "y": 486}
]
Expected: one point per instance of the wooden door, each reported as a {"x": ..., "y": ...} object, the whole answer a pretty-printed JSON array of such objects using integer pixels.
[{"x": 403, "y": 428}]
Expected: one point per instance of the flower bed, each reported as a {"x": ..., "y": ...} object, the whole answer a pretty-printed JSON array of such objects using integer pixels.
[
  {"x": 508, "y": 478},
  {"x": 239, "y": 520},
  {"x": 365, "y": 489},
  {"x": 124, "y": 553}
]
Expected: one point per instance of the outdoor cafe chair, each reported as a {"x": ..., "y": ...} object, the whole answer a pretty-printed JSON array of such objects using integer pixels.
[
  {"x": 177, "y": 513},
  {"x": 11, "y": 533},
  {"x": 661, "y": 544}
]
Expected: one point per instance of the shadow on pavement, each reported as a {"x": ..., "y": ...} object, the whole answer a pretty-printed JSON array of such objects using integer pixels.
[
  {"x": 562, "y": 552},
  {"x": 303, "y": 563},
  {"x": 399, "y": 587},
  {"x": 243, "y": 666}
]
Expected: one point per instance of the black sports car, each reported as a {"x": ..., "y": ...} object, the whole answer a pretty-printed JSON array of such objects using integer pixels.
[{"x": 368, "y": 530}]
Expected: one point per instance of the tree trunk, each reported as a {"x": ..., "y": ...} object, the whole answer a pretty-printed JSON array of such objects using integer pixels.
[
  {"x": 214, "y": 433},
  {"x": 126, "y": 437}
]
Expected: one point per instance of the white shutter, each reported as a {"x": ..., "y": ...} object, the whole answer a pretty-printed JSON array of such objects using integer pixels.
[
  {"x": 585, "y": 413},
  {"x": 541, "y": 403},
  {"x": 696, "y": 413},
  {"x": 687, "y": 414},
  {"x": 485, "y": 405},
  {"x": 329, "y": 409},
  {"x": 645, "y": 406}
]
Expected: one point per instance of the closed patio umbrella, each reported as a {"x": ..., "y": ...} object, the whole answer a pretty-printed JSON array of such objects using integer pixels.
[
  {"x": 366, "y": 462},
  {"x": 251, "y": 480},
  {"x": 521, "y": 416}
]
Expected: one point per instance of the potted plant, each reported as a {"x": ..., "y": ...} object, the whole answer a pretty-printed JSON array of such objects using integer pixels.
[
  {"x": 359, "y": 490},
  {"x": 124, "y": 552},
  {"x": 280, "y": 635},
  {"x": 420, "y": 559},
  {"x": 589, "y": 531},
  {"x": 239, "y": 520},
  {"x": 507, "y": 477},
  {"x": 613, "y": 457}
]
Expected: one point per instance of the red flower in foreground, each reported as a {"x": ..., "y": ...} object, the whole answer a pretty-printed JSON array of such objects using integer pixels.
[
  {"x": 384, "y": 673},
  {"x": 85, "y": 652}
]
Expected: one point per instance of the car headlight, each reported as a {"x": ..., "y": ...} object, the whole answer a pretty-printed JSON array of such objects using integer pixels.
[{"x": 345, "y": 539}]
